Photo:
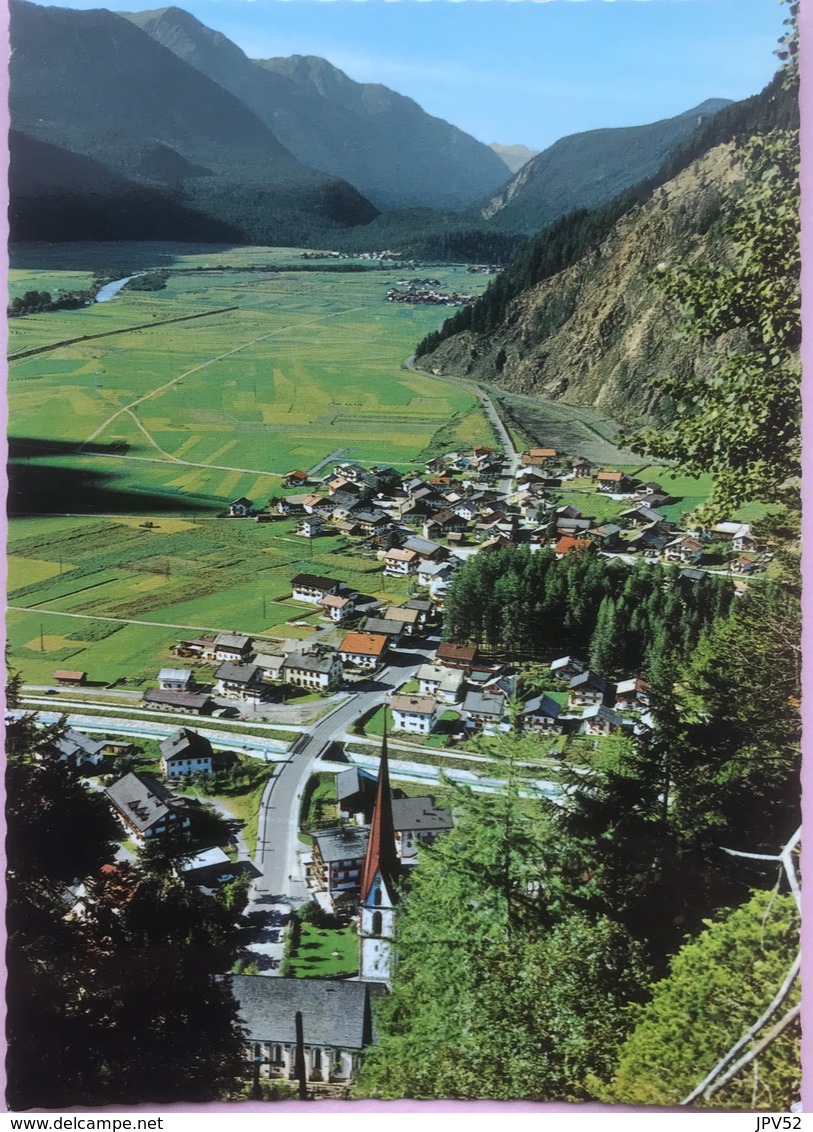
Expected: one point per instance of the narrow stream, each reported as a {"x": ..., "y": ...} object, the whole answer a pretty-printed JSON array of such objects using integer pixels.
[{"x": 110, "y": 290}]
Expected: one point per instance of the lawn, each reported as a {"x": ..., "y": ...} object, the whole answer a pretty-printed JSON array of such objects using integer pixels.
[{"x": 325, "y": 953}]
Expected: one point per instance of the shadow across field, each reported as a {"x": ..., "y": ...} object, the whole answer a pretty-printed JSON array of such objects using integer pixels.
[{"x": 40, "y": 483}]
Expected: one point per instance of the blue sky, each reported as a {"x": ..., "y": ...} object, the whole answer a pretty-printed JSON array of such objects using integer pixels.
[{"x": 526, "y": 71}]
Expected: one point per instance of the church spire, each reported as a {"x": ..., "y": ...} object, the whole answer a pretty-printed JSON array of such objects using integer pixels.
[{"x": 381, "y": 859}]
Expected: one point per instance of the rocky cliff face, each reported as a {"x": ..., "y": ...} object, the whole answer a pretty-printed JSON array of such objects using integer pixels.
[{"x": 599, "y": 332}]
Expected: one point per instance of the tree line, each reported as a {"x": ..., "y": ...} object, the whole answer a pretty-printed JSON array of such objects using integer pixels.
[
  {"x": 599, "y": 943},
  {"x": 624, "y": 619},
  {"x": 120, "y": 1001}
]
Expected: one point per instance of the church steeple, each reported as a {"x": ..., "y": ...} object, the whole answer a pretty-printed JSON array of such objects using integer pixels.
[
  {"x": 379, "y": 895},
  {"x": 381, "y": 858}
]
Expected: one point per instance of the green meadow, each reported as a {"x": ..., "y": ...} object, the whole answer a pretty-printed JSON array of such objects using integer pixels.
[
  {"x": 66, "y": 577},
  {"x": 124, "y": 449}
]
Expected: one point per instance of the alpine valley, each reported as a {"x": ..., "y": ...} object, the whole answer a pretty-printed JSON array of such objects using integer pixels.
[{"x": 403, "y": 621}]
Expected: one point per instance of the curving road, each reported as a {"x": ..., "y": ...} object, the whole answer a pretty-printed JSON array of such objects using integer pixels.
[
  {"x": 281, "y": 884},
  {"x": 506, "y": 481}
]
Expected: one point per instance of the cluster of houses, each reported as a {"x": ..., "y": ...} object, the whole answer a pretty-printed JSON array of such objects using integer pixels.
[
  {"x": 460, "y": 500},
  {"x": 426, "y": 291},
  {"x": 489, "y": 698},
  {"x": 334, "y": 866}
]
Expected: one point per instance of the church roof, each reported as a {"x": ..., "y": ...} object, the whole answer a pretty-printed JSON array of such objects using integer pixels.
[
  {"x": 335, "y": 1012},
  {"x": 381, "y": 856}
]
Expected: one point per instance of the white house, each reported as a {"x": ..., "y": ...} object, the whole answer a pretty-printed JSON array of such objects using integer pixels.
[
  {"x": 417, "y": 821},
  {"x": 363, "y": 650},
  {"x": 444, "y": 684},
  {"x": 338, "y": 608},
  {"x": 186, "y": 752},
  {"x": 322, "y": 672},
  {"x": 312, "y": 588},
  {"x": 417, "y": 714},
  {"x": 398, "y": 562},
  {"x": 240, "y": 682},
  {"x": 175, "y": 679}
]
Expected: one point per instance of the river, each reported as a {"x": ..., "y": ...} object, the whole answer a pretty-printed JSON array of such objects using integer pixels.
[{"x": 110, "y": 290}]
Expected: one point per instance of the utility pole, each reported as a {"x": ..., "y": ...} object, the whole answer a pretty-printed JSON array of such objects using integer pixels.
[
  {"x": 299, "y": 1063},
  {"x": 42, "y": 641}
]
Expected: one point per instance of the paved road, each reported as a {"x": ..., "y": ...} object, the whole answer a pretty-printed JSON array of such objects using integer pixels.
[
  {"x": 281, "y": 881},
  {"x": 506, "y": 481}
]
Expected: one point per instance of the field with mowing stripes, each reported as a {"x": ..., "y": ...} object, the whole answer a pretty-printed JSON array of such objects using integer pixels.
[
  {"x": 208, "y": 574},
  {"x": 191, "y": 414},
  {"x": 124, "y": 449}
]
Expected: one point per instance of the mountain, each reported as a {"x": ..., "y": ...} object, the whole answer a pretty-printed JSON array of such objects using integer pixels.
[
  {"x": 57, "y": 195},
  {"x": 585, "y": 170},
  {"x": 578, "y": 315},
  {"x": 395, "y": 153},
  {"x": 514, "y": 156},
  {"x": 96, "y": 86}
]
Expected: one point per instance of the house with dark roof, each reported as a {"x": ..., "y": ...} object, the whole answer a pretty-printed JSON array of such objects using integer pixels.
[
  {"x": 337, "y": 858},
  {"x": 76, "y": 749},
  {"x": 587, "y": 688},
  {"x": 240, "y": 508},
  {"x": 312, "y": 588},
  {"x": 233, "y": 646},
  {"x": 417, "y": 821},
  {"x": 483, "y": 711},
  {"x": 240, "y": 682},
  {"x": 194, "y": 703},
  {"x": 146, "y": 807},
  {"x": 355, "y": 791},
  {"x": 186, "y": 752},
  {"x": 337, "y": 1024},
  {"x": 391, "y": 629},
  {"x": 541, "y": 714},
  {"x": 321, "y": 671}
]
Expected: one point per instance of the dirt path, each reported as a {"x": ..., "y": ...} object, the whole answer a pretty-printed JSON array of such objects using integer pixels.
[{"x": 209, "y": 361}]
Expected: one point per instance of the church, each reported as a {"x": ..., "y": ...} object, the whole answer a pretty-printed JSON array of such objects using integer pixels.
[{"x": 378, "y": 897}]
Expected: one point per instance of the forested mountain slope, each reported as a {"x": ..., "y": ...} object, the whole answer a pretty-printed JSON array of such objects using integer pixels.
[
  {"x": 579, "y": 316},
  {"x": 95, "y": 85}
]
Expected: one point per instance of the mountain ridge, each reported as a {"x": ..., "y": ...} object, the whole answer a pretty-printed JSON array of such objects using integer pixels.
[
  {"x": 585, "y": 169},
  {"x": 94, "y": 84},
  {"x": 380, "y": 141}
]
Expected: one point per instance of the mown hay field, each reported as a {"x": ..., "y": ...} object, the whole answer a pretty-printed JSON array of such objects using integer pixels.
[
  {"x": 66, "y": 576},
  {"x": 310, "y": 362}
]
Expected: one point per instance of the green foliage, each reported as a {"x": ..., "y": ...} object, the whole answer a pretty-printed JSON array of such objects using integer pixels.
[
  {"x": 496, "y": 964},
  {"x": 718, "y": 985},
  {"x": 537, "y": 605},
  {"x": 123, "y": 1001},
  {"x": 740, "y": 700},
  {"x": 742, "y": 424}
]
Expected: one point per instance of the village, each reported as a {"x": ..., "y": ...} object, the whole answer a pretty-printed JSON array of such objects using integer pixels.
[{"x": 387, "y": 677}]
